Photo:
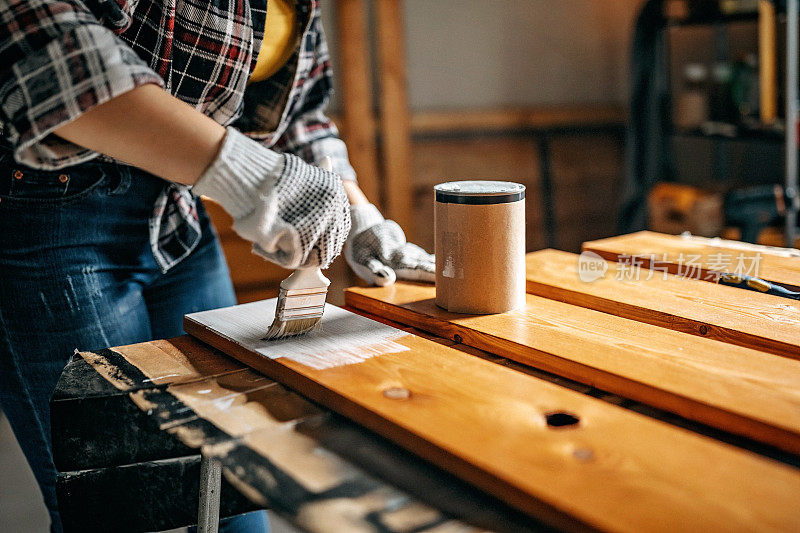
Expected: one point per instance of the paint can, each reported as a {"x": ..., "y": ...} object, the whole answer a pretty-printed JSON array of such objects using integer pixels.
[{"x": 480, "y": 246}]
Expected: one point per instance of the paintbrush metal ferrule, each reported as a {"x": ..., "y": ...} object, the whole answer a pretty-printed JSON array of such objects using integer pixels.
[{"x": 300, "y": 303}]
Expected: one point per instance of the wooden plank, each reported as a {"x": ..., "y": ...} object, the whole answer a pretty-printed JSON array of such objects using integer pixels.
[
  {"x": 429, "y": 485},
  {"x": 307, "y": 464},
  {"x": 514, "y": 436},
  {"x": 394, "y": 124},
  {"x": 356, "y": 72},
  {"x": 781, "y": 266},
  {"x": 728, "y": 314},
  {"x": 94, "y": 425},
  {"x": 249, "y": 423},
  {"x": 697, "y": 378},
  {"x": 159, "y": 364}
]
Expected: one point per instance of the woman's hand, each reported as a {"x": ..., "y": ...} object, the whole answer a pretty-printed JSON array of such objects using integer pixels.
[
  {"x": 378, "y": 253},
  {"x": 295, "y": 214}
]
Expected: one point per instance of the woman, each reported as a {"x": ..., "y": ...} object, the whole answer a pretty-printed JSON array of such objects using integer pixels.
[{"x": 114, "y": 116}]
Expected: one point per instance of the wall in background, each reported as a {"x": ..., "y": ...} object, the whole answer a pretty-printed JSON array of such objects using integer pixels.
[{"x": 496, "y": 53}]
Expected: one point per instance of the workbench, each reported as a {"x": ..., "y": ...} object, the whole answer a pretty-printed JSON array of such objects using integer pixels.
[{"x": 640, "y": 412}]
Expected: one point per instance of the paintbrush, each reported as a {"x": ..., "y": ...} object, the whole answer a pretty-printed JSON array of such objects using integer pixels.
[{"x": 301, "y": 299}]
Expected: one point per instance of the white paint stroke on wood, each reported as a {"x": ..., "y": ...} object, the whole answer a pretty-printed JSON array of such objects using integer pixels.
[{"x": 343, "y": 338}]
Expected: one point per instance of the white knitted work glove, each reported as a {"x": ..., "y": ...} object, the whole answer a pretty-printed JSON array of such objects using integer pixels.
[
  {"x": 295, "y": 214},
  {"x": 378, "y": 253}
]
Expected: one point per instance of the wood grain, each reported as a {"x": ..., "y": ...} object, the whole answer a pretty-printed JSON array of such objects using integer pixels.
[
  {"x": 159, "y": 364},
  {"x": 488, "y": 425},
  {"x": 772, "y": 267},
  {"x": 270, "y": 441},
  {"x": 699, "y": 379},
  {"x": 95, "y": 425},
  {"x": 728, "y": 314}
]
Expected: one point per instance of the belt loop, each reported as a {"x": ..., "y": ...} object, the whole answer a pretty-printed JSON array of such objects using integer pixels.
[{"x": 122, "y": 177}]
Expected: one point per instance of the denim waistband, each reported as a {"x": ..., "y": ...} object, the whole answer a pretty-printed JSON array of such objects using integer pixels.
[{"x": 117, "y": 177}]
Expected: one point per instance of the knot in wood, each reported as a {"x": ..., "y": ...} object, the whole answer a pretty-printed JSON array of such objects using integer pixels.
[
  {"x": 397, "y": 393},
  {"x": 583, "y": 454}
]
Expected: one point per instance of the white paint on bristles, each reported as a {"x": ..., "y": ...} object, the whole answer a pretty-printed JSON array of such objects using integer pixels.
[{"x": 342, "y": 338}]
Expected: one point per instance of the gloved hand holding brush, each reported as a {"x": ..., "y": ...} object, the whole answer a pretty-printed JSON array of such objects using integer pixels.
[{"x": 294, "y": 213}]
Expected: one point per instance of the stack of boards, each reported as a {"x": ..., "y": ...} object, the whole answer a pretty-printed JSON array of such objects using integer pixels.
[{"x": 723, "y": 357}]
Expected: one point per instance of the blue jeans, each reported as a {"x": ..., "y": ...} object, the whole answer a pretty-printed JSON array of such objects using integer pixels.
[{"x": 76, "y": 272}]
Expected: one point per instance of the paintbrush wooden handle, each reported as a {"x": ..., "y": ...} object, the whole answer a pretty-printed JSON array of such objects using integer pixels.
[{"x": 306, "y": 278}]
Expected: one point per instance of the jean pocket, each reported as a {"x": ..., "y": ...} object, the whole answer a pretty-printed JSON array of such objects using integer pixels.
[{"x": 28, "y": 186}]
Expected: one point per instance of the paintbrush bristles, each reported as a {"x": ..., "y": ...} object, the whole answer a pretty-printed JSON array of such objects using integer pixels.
[
  {"x": 281, "y": 329},
  {"x": 297, "y": 312}
]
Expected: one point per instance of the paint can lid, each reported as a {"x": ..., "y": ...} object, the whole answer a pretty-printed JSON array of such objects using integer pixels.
[{"x": 479, "y": 192}]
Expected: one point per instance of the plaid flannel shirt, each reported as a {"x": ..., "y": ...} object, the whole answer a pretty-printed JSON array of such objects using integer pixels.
[{"x": 62, "y": 57}]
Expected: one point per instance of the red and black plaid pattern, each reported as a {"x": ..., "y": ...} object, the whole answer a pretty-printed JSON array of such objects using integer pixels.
[{"x": 62, "y": 57}]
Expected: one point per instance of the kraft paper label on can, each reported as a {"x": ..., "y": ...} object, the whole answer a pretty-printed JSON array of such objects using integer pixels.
[
  {"x": 452, "y": 244},
  {"x": 479, "y": 237}
]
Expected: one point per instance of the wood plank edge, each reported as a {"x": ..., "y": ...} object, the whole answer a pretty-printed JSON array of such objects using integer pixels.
[
  {"x": 663, "y": 320},
  {"x": 254, "y": 474},
  {"x": 113, "y": 366},
  {"x": 686, "y": 407}
]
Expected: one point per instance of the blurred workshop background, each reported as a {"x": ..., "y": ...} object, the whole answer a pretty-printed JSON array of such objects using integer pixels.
[
  {"x": 531, "y": 91},
  {"x": 618, "y": 115}
]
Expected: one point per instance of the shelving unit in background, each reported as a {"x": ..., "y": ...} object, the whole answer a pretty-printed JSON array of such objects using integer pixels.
[
  {"x": 568, "y": 198},
  {"x": 792, "y": 188},
  {"x": 715, "y": 161}
]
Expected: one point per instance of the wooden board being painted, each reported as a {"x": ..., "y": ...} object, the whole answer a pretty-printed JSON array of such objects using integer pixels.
[
  {"x": 572, "y": 460},
  {"x": 728, "y": 314},
  {"x": 739, "y": 390}
]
